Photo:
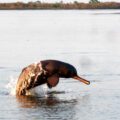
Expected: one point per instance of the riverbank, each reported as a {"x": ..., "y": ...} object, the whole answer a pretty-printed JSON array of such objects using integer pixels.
[
  {"x": 58, "y": 5},
  {"x": 87, "y": 39}
]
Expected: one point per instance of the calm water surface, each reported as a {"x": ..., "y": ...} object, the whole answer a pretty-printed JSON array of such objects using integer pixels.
[{"x": 90, "y": 40}]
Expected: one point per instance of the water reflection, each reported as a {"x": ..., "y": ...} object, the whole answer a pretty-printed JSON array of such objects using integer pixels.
[
  {"x": 50, "y": 107},
  {"x": 36, "y": 101},
  {"x": 32, "y": 102}
]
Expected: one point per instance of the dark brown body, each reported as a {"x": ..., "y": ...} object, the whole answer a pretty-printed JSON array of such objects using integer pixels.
[{"x": 47, "y": 71}]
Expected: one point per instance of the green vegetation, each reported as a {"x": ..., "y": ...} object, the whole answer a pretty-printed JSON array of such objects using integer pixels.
[
  {"x": 93, "y": 4},
  {"x": 93, "y": 1}
]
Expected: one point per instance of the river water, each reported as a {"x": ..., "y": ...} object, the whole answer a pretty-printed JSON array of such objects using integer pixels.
[{"x": 87, "y": 39}]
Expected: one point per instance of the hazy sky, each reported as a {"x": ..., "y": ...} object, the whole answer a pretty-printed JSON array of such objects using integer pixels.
[{"x": 56, "y": 0}]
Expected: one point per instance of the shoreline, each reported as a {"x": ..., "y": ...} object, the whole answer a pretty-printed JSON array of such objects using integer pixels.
[{"x": 59, "y": 6}]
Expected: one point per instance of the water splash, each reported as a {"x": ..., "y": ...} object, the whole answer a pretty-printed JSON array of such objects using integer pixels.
[
  {"x": 38, "y": 91},
  {"x": 11, "y": 86}
]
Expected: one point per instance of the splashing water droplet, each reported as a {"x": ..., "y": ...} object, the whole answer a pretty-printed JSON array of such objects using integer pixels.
[
  {"x": 38, "y": 91},
  {"x": 11, "y": 86}
]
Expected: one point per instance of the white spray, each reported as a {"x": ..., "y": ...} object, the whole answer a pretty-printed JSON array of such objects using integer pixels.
[
  {"x": 38, "y": 91},
  {"x": 11, "y": 86}
]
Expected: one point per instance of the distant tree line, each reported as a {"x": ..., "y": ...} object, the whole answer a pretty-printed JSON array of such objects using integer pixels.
[
  {"x": 93, "y": 1},
  {"x": 93, "y": 4}
]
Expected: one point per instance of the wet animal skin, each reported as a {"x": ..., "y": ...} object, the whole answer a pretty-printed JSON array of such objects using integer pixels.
[{"x": 45, "y": 72}]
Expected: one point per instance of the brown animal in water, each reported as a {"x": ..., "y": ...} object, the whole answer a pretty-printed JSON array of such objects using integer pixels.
[{"x": 46, "y": 71}]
